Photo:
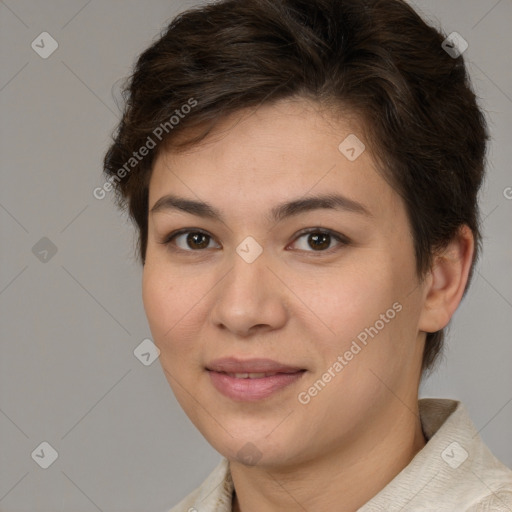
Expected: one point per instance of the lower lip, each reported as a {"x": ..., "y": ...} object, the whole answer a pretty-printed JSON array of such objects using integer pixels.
[{"x": 250, "y": 390}]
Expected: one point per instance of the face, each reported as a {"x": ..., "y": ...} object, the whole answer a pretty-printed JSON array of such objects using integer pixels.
[{"x": 287, "y": 325}]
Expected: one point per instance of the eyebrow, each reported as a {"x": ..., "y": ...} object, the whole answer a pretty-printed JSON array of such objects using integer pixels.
[{"x": 277, "y": 213}]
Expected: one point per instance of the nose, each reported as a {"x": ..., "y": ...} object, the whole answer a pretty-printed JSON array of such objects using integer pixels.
[{"x": 250, "y": 298}]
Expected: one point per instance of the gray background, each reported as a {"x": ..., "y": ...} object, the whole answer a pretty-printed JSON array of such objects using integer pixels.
[{"x": 70, "y": 324}]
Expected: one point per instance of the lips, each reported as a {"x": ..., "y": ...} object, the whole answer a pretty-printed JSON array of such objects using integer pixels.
[
  {"x": 232, "y": 365},
  {"x": 253, "y": 379},
  {"x": 252, "y": 375}
]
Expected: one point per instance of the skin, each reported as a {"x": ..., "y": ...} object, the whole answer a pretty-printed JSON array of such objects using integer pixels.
[{"x": 297, "y": 305}]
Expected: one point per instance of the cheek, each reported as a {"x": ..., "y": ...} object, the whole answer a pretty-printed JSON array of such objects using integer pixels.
[
  {"x": 153, "y": 297},
  {"x": 364, "y": 313},
  {"x": 162, "y": 302},
  {"x": 344, "y": 301},
  {"x": 166, "y": 307},
  {"x": 172, "y": 302}
]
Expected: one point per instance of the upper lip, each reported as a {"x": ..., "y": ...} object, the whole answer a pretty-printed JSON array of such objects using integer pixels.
[{"x": 259, "y": 365}]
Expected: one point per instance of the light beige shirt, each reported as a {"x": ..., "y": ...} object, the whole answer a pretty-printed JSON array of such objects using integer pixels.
[{"x": 455, "y": 471}]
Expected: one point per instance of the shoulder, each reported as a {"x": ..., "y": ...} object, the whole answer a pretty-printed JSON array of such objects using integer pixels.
[
  {"x": 455, "y": 470},
  {"x": 472, "y": 476},
  {"x": 186, "y": 504},
  {"x": 213, "y": 495},
  {"x": 498, "y": 501}
]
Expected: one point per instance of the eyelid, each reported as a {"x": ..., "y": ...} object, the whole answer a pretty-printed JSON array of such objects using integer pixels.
[
  {"x": 167, "y": 240},
  {"x": 340, "y": 238}
]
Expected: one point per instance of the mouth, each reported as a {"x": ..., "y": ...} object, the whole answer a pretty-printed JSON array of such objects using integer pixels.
[
  {"x": 256, "y": 375},
  {"x": 251, "y": 380},
  {"x": 233, "y": 365}
]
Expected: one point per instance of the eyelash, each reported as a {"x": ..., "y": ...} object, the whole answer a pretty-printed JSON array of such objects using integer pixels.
[{"x": 341, "y": 239}]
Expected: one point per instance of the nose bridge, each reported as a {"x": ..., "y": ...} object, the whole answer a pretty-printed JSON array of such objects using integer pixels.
[
  {"x": 247, "y": 296},
  {"x": 249, "y": 271}
]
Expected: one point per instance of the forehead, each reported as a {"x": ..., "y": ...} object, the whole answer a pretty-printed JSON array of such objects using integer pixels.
[{"x": 274, "y": 153}]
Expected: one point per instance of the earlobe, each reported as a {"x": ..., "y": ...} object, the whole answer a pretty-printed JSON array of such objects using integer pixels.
[{"x": 447, "y": 281}]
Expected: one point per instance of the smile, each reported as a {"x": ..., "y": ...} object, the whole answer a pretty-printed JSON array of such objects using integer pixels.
[
  {"x": 251, "y": 375},
  {"x": 250, "y": 387}
]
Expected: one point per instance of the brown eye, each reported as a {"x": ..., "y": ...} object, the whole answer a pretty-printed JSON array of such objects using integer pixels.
[
  {"x": 188, "y": 240},
  {"x": 197, "y": 240},
  {"x": 320, "y": 241}
]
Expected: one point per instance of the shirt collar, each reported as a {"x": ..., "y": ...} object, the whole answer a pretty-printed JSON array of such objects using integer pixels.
[{"x": 452, "y": 443}]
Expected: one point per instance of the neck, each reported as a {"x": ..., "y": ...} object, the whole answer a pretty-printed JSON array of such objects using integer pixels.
[{"x": 342, "y": 479}]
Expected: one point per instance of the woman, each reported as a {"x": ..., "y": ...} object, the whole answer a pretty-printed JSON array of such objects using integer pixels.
[{"x": 303, "y": 176}]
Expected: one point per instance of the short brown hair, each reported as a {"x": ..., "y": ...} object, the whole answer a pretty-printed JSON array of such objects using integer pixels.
[{"x": 377, "y": 58}]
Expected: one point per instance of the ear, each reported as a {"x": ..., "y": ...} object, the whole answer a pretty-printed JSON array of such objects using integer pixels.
[{"x": 446, "y": 281}]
